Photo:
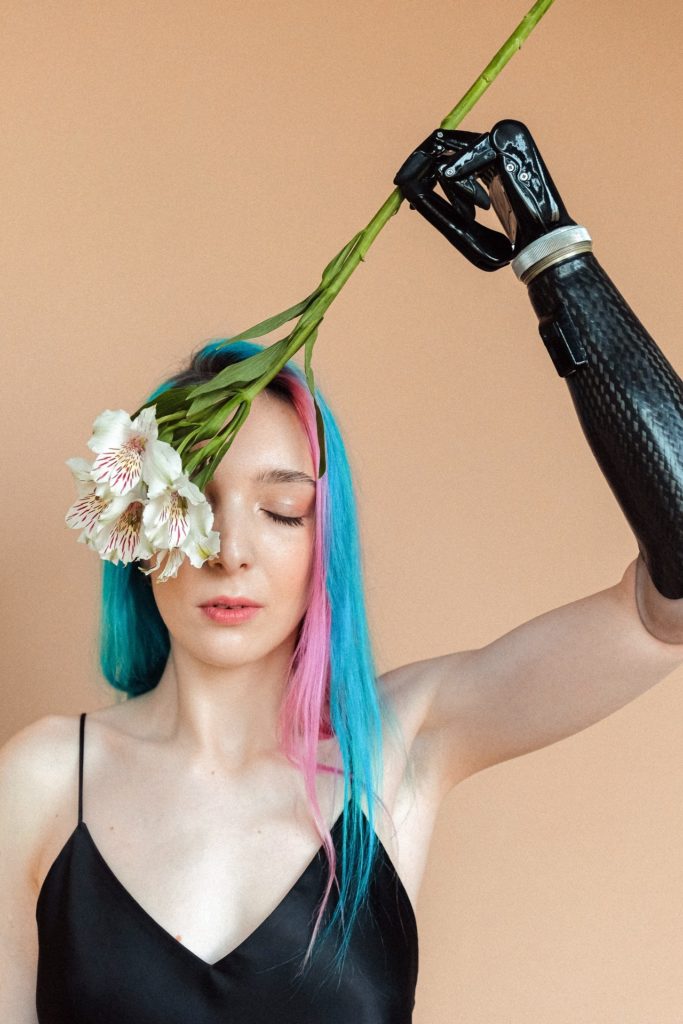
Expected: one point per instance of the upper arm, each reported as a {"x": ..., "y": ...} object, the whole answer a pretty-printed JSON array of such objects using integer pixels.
[
  {"x": 544, "y": 680},
  {"x": 23, "y": 818}
]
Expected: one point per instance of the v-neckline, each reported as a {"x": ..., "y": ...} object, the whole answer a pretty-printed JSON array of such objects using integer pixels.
[{"x": 166, "y": 935}]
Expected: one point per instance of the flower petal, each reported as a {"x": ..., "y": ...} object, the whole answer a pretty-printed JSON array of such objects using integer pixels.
[
  {"x": 166, "y": 519},
  {"x": 189, "y": 490},
  {"x": 146, "y": 423},
  {"x": 123, "y": 538},
  {"x": 111, "y": 429},
  {"x": 174, "y": 558},
  {"x": 120, "y": 468},
  {"x": 119, "y": 503},
  {"x": 81, "y": 468},
  {"x": 153, "y": 568},
  {"x": 85, "y": 512},
  {"x": 161, "y": 465},
  {"x": 173, "y": 563},
  {"x": 200, "y": 548}
]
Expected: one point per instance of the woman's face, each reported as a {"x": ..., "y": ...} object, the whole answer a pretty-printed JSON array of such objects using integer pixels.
[{"x": 260, "y": 558}]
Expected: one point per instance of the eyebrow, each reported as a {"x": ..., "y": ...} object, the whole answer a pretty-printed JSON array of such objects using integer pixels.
[{"x": 283, "y": 476}]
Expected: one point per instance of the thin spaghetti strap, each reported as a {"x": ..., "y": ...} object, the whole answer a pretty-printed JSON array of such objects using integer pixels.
[{"x": 80, "y": 769}]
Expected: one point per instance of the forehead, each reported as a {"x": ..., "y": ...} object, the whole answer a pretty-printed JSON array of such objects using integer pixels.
[{"x": 272, "y": 436}]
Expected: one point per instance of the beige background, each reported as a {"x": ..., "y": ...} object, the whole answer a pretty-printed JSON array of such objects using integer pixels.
[{"x": 175, "y": 172}]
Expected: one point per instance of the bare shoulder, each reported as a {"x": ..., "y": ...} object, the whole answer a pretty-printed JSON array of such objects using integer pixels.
[
  {"x": 36, "y": 769},
  {"x": 39, "y": 748},
  {"x": 33, "y": 765}
]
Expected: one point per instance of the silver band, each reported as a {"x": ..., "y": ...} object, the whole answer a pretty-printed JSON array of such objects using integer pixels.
[{"x": 555, "y": 246}]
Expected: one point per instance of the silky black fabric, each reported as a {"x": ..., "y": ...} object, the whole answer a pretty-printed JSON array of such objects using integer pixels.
[{"x": 104, "y": 960}]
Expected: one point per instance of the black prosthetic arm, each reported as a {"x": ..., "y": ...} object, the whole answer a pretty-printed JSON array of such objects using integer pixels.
[
  {"x": 629, "y": 401},
  {"x": 628, "y": 397}
]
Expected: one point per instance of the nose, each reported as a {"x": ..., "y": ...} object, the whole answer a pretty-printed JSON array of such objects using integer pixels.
[{"x": 236, "y": 543}]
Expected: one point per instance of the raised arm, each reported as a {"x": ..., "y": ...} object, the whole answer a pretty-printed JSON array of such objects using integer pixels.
[{"x": 571, "y": 666}]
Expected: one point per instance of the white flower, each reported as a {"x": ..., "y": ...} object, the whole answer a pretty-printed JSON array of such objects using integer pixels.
[
  {"x": 129, "y": 451},
  {"x": 134, "y": 501},
  {"x": 90, "y": 503},
  {"x": 178, "y": 523},
  {"x": 173, "y": 562},
  {"x": 110, "y": 523},
  {"x": 119, "y": 534}
]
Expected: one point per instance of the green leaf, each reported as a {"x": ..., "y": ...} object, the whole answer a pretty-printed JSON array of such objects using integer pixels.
[
  {"x": 186, "y": 441},
  {"x": 310, "y": 380},
  {"x": 339, "y": 260},
  {"x": 321, "y": 438},
  {"x": 308, "y": 352},
  {"x": 203, "y": 402},
  {"x": 219, "y": 447},
  {"x": 266, "y": 326},
  {"x": 171, "y": 400},
  {"x": 198, "y": 457},
  {"x": 171, "y": 417},
  {"x": 216, "y": 422},
  {"x": 243, "y": 371}
]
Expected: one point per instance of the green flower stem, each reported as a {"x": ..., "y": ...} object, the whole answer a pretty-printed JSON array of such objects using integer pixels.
[
  {"x": 221, "y": 392},
  {"x": 450, "y": 121},
  {"x": 393, "y": 202},
  {"x": 496, "y": 64},
  {"x": 298, "y": 338}
]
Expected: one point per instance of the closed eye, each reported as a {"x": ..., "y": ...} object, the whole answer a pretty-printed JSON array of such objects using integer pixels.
[{"x": 287, "y": 520}]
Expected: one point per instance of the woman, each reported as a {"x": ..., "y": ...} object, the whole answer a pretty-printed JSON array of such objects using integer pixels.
[{"x": 192, "y": 884}]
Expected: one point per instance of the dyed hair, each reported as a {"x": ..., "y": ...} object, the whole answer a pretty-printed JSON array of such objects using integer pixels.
[{"x": 331, "y": 686}]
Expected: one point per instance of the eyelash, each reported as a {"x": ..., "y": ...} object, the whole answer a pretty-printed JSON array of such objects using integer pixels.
[{"x": 287, "y": 520}]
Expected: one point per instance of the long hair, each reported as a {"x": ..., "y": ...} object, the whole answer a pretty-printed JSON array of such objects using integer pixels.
[{"x": 331, "y": 686}]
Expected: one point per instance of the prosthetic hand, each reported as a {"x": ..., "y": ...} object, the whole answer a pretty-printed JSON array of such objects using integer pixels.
[{"x": 628, "y": 397}]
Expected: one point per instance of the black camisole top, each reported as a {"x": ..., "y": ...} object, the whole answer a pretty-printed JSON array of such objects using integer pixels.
[{"x": 104, "y": 960}]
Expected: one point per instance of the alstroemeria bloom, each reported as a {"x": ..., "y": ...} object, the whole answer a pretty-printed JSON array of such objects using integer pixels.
[
  {"x": 119, "y": 534},
  {"x": 178, "y": 523},
  {"x": 92, "y": 500},
  {"x": 129, "y": 451}
]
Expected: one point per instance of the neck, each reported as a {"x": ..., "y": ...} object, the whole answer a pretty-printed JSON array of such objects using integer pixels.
[{"x": 221, "y": 713}]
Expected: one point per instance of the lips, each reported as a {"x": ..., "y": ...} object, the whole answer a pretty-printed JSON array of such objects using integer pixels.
[{"x": 225, "y": 601}]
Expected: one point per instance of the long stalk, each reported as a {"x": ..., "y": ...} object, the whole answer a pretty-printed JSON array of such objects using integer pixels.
[
  {"x": 391, "y": 205},
  {"x": 228, "y": 387}
]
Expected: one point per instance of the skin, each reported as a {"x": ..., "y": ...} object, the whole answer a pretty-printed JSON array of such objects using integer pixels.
[
  {"x": 237, "y": 673},
  {"x": 189, "y": 776}
]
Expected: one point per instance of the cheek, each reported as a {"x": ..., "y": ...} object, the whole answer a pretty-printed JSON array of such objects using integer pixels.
[
  {"x": 291, "y": 560},
  {"x": 173, "y": 594},
  {"x": 285, "y": 563},
  {"x": 166, "y": 602}
]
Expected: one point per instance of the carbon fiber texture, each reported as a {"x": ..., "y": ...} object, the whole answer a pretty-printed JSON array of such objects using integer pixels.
[{"x": 629, "y": 400}]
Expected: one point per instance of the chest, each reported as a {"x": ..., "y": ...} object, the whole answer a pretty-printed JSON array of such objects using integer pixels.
[
  {"x": 102, "y": 959},
  {"x": 209, "y": 866},
  {"x": 212, "y": 882}
]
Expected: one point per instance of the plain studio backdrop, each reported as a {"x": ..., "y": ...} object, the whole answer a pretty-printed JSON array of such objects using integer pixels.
[{"x": 175, "y": 172}]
